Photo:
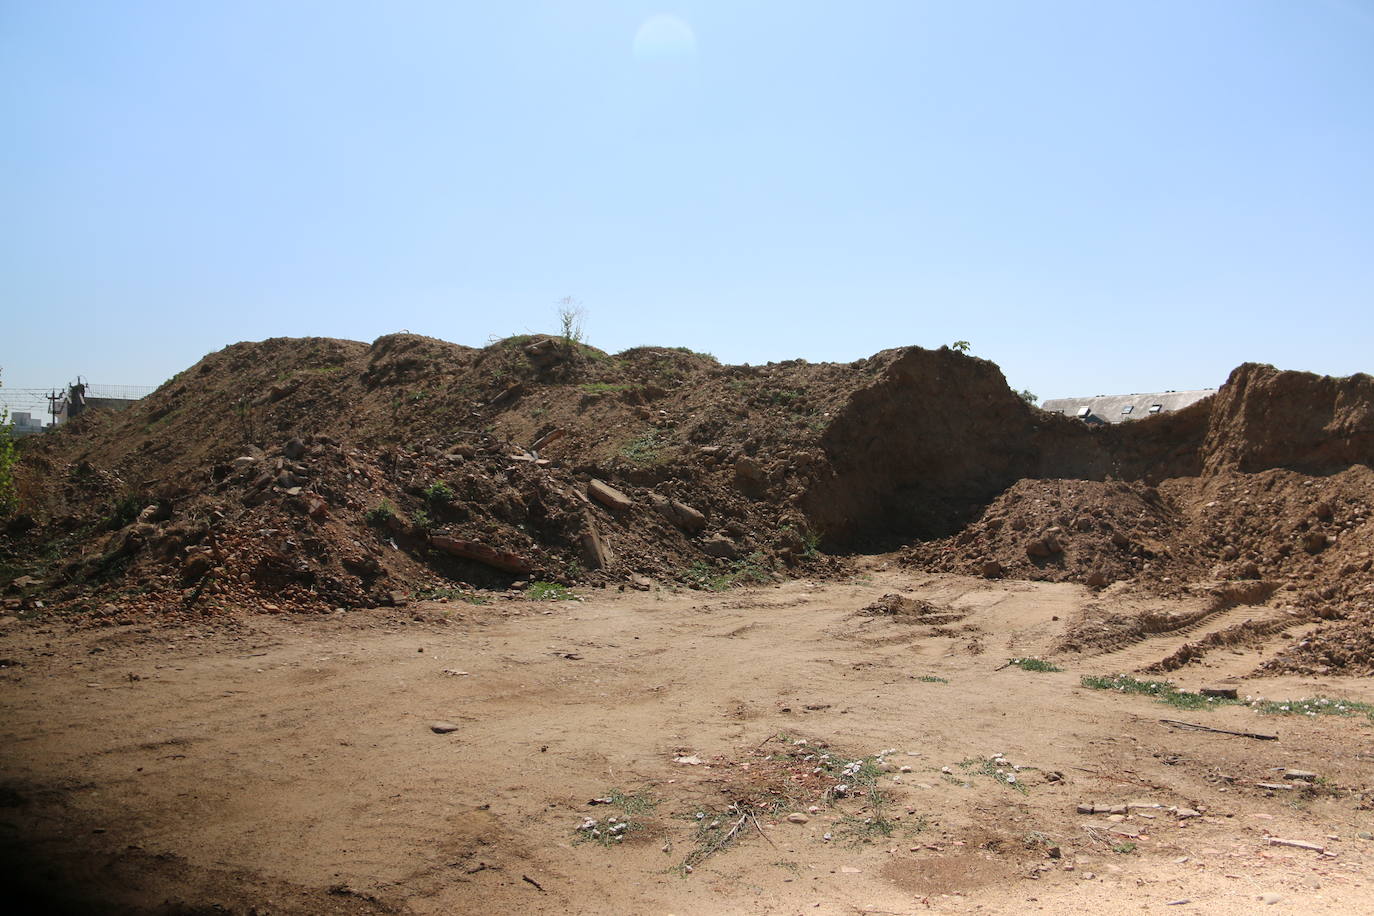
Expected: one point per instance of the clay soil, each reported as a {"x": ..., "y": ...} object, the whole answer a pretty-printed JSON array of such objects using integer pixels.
[{"x": 287, "y": 763}]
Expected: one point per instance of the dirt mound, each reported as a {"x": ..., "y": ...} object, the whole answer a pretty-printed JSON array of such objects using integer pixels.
[
  {"x": 934, "y": 436},
  {"x": 1313, "y": 533},
  {"x": 1346, "y": 647},
  {"x": 922, "y": 448},
  {"x": 1065, "y": 530},
  {"x": 1301, "y": 542},
  {"x": 316, "y": 473},
  {"x": 1269, "y": 480},
  {"x": 1263, "y": 418},
  {"x": 331, "y": 473},
  {"x": 912, "y": 610}
]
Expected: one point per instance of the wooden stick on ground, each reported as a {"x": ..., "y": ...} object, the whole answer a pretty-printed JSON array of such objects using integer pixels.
[
  {"x": 761, "y": 833},
  {"x": 1220, "y": 731}
]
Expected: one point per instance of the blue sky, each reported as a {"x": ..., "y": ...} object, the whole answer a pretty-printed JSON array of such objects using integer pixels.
[{"x": 1100, "y": 196}]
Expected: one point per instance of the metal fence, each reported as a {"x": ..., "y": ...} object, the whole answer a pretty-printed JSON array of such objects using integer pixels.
[{"x": 127, "y": 392}]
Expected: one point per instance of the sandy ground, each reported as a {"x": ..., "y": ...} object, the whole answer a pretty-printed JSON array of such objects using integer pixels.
[{"x": 288, "y": 765}]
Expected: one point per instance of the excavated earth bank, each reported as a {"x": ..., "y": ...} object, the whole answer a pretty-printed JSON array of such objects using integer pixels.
[{"x": 312, "y": 474}]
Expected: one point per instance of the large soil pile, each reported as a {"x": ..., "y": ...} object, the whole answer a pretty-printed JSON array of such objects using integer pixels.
[
  {"x": 1282, "y": 493},
  {"x": 314, "y": 473},
  {"x": 322, "y": 473}
]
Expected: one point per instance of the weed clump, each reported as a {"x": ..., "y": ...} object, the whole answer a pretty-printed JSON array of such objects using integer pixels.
[
  {"x": 1033, "y": 664},
  {"x": 381, "y": 515},
  {"x": 438, "y": 493},
  {"x": 787, "y": 774},
  {"x": 125, "y": 511},
  {"x": 614, "y": 828},
  {"x": 549, "y": 591},
  {"x": 752, "y": 570},
  {"x": 997, "y": 768},
  {"x": 645, "y": 448},
  {"x": 1313, "y": 706},
  {"x": 1163, "y": 691},
  {"x": 605, "y": 387}
]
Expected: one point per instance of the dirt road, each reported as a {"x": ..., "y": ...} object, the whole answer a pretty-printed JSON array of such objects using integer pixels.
[{"x": 289, "y": 765}]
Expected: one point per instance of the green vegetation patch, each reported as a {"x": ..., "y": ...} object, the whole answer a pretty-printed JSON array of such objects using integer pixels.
[
  {"x": 125, "y": 511},
  {"x": 996, "y": 769},
  {"x": 785, "y": 397},
  {"x": 1165, "y": 692},
  {"x": 752, "y": 570},
  {"x": 381, "y": 514},
  {"x": 549, "y": 591},
  {"x": 1313, "y": 706},
  {"x": 690, "y": 352},
  {"x": 612, "y": 828},
  {"x": 644, "y": 449},
  {"x": 438, "y": 493},
  {"x": 876, "y": 822},
  {"x": 1033, "y": 664},
  {"x": 515, "y": 340}
]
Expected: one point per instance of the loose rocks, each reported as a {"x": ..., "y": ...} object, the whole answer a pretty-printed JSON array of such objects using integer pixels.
[{"x": 608, "y": 495}]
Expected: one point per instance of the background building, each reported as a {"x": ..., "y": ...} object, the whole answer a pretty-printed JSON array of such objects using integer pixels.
[
  {"x": 1118, "y": 408},
  {"x": 23, "y": 423}
]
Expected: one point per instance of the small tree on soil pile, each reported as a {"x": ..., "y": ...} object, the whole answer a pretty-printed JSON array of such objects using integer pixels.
[{"x": 570, "y": 318}]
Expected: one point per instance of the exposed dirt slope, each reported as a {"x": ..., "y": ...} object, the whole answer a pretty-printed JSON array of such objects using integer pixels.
[{"x": 1264, "y": 418}]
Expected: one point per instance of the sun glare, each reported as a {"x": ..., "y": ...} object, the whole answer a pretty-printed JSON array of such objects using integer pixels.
[{"x": 663, "y": 37}]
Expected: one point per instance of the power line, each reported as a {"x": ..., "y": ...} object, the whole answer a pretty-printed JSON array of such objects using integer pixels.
[{"x": 40, "y": 401}]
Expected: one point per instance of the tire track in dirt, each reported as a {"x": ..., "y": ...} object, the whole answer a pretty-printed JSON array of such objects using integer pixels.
[{"x": 1156, "y": 647}]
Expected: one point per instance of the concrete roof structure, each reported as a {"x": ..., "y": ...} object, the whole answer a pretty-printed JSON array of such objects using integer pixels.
[{"x": 1118, "y": 408}]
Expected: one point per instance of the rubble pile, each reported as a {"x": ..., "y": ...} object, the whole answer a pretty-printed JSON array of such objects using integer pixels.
[
  {"x": 307, "y": 475},
  {"x": 312, "y": 474},
  {"x": 1304, "y": 530}
]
